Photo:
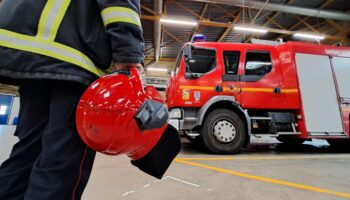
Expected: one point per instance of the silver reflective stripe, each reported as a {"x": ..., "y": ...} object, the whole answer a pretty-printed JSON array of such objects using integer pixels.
[
  {"x": 120, "y": 14},
  {"x": 47, "y": 48},
  {"x": 51, "y": 18}
]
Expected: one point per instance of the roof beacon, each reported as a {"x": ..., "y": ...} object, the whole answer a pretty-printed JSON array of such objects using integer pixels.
[{"x": 198, "y": 38}]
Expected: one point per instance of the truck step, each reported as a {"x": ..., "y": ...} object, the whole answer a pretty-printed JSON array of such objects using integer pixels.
[
  {"x": 260, "y": 118},
  {"x": 259, "y": 135},
  {"x": 192, "y": 133}
]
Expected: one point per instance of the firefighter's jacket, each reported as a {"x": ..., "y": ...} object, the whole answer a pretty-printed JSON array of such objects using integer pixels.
[{"x": 72, "y": 40}]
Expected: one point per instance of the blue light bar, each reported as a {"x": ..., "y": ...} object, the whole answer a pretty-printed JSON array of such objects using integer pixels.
[{"x": 198, "y": 38}]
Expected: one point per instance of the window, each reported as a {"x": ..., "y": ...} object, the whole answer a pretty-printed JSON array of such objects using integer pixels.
[
  {"x": 231, "y": 59},
  {"x": 202, "y": 62},
  {"x": 258, "y": 64}
]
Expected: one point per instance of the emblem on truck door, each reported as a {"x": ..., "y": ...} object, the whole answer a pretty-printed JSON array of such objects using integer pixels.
[
  {"x": 197, "y": 95},
  {"x": 285, "y": 57},
  {"x": 185, "y": 94}
]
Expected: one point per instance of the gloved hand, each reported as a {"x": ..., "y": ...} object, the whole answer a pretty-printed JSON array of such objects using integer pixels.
[{"x": 138, "y": 66}]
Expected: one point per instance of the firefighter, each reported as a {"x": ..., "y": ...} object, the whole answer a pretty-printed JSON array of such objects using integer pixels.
[{"x": 53, "y": 50}]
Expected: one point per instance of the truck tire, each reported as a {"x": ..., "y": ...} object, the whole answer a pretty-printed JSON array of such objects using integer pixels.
[
  {"x": 288, "y": 140},
  {"x": 223, "y": 132}
]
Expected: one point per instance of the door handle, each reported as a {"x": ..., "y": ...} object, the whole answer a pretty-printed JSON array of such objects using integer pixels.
[
  {"x": 232, "y": 87},
  {"x": 277, "y": 90},
  {"x": 218, "y": 88}
]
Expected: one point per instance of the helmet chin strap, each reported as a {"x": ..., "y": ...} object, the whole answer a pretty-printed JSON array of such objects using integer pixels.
[{"x": 158, "y": 160}]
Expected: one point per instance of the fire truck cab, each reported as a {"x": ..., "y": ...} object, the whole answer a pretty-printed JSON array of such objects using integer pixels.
[{"x": 220, "y": 94}]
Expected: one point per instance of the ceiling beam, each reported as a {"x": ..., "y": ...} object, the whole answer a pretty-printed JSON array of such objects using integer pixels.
[
  {"x": 229, "y": 29},
  {"x": 323, "y": 5},
  {"x": 204, "y": 10},
  {"x": 173, "y": 37},
  {"x": 306, "y": 24},
  {"x": 157, "y": 30},
  {"x": 337, "y": 26},
  {"x": 311, "y": 12},
  {"x": 8, "y": 89},
  {"x": 227, "y": 25},
  {"x": 148, "y": 10},
  {"x": 225, "y": 11},
  {"x": 272, "y": 21},
  {"x": 187, "y": 9},
  {"x": 269, "y": 20}
]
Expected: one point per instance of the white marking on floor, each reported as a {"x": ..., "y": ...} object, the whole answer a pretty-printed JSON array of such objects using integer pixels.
[
  {"x": 182, "y": 181},
  {"x": 127, "y": 193},
  {"x": 167, "y": 177}
]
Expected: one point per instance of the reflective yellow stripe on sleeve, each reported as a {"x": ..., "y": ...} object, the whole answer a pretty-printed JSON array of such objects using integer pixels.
[
  {"x": 51, "y": 18},
  {"x": 120, "y": 14},
  {"x": 47, "y": 48}
]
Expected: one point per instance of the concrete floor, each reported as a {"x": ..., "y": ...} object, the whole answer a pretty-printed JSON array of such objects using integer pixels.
[{"x": 268, "y": 170}]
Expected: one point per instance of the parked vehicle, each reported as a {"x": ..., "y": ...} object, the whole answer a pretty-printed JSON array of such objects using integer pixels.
[{"x": 222, "y": 93}]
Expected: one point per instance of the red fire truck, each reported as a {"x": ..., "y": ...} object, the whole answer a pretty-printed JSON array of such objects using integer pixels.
[{"x": 222, "y": 93}]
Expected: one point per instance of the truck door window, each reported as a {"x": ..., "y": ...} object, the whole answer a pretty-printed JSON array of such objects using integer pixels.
[
  {"x": 257, "y": 65},
  {"x": 202, "y": 62},
  {"x": 231, "y": 59}
]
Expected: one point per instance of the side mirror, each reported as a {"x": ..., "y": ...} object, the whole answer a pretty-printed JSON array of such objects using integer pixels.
[
  {"x": 188, "y": 75},
  {"x": 188, "y": 52}
]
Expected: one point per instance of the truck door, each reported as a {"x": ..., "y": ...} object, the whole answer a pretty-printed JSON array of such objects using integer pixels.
[
  {"x": 262, "y": 82},
  {"x": 200, "y": 78},
  {"x": 318, "y": 95},
  {"x": 230, "y": 78},
  {"x": 341, "y": 68}
]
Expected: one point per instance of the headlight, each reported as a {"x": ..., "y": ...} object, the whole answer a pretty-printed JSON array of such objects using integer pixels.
[{"x": 175, "y": 113}]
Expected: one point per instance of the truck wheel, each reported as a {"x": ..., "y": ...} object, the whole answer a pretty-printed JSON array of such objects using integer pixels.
[
  {"x": 290, "y": 140},
  {"x": 223, "y": 132}
]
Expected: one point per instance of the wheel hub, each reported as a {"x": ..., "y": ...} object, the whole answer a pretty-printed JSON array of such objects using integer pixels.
[{"x": 224, "y": 131}]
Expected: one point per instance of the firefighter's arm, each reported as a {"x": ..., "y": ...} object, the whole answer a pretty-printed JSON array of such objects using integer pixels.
[{"x": 122, "y": 22}]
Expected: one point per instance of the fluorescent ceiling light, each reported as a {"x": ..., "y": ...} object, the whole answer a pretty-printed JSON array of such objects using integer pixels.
[
  {"x": 170, "y": 21},
  {"x": 157, "y": 69},
  {"x": 250, "y": 29},
  {"x": 309, "y": 36}
]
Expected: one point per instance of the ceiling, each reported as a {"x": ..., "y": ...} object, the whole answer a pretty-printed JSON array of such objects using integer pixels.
[{"x": 216, "y": 22}]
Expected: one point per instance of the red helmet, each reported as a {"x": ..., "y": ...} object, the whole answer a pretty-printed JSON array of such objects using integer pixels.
[{"x": 115, "y": 116}]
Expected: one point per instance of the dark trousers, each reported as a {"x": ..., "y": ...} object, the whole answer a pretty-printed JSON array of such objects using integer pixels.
[{"x": 50, "y": 161}]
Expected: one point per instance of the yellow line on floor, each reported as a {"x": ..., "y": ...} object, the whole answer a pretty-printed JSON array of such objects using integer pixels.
[
  {"x": 225, "y": 158},
  {"x": 268, "y": 158},
  {"x": 268, "y": 180}
]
